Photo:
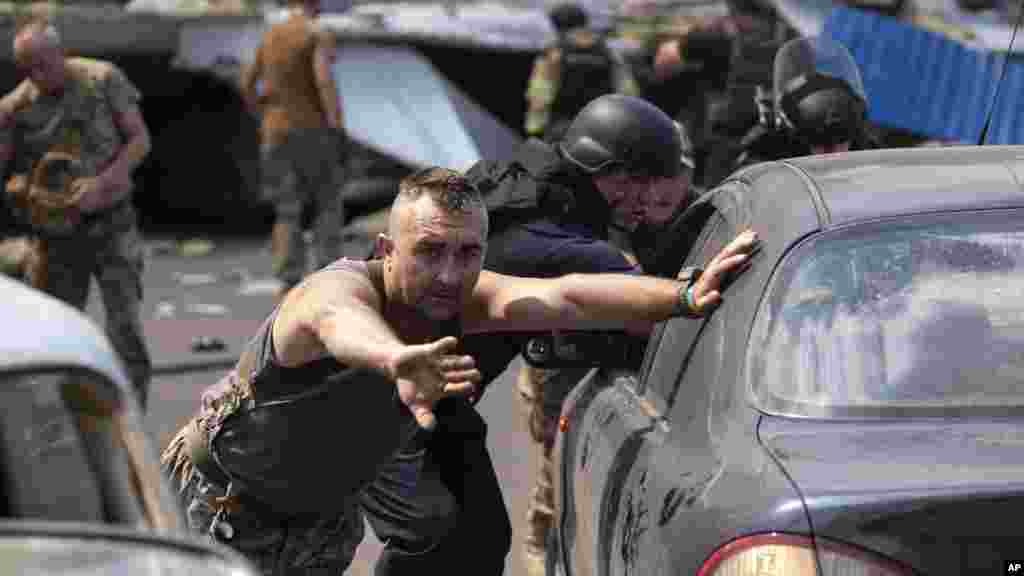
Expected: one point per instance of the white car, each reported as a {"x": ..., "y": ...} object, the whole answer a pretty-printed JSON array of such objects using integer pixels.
[{"x": 80, "y": 485}]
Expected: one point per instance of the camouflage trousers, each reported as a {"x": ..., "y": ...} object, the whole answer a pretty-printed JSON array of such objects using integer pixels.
[
  {"x": 277, "y": 544},
  {"x": 542, "y": 392},
  {"x": 305, "y": 169},
  {"x": 108, "y": 248}
]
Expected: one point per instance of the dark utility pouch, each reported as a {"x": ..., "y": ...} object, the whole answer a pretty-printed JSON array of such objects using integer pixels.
[{"x": 304, "y": 453}]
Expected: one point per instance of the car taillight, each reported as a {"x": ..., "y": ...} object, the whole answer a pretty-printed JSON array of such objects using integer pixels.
[{"x": 792, "y": 555}]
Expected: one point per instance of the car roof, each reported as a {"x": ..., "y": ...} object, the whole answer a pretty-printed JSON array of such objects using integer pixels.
[
  {"x": 879, "y": 183},
  {"x": 43, "y": 331}
]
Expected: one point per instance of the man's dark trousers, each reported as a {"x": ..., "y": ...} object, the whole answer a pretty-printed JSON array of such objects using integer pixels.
[{"x": 438, "y": 505}]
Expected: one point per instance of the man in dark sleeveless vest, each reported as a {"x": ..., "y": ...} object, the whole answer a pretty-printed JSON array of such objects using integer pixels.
[
  {"x": 550, "y": 210},
  {"x": 577, "y": 68},
  {"x": 359, "y": 354}
]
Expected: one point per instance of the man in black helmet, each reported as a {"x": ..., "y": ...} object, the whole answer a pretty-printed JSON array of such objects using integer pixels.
[
  {"x": 817, "y": 105},
  {"x": 669, "y": 199},
  {"x": 551, "y": 210},
  {"x": 570, "y": 206}
]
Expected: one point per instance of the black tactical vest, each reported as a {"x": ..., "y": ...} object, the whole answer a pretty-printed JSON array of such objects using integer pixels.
[
  {"x": 539, "y": 183},
  {"x": 585, "y": 74}
]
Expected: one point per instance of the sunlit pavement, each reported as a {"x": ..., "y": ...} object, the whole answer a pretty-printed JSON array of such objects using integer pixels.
[{"x": 224, "y": 293}]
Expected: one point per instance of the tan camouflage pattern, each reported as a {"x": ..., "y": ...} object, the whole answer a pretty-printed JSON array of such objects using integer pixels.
[
  {"x": 275, "y": 544},
  {"x": 216, "y": 404},
  {"x": 542, "y": 412},
  {"x": 16, "y": 255},
  {"x": 543, "y": 84},
  {"x": 82, "y": 122},
  {"x": 111, "y": 250},
  {"x": 306, "y": 168}
]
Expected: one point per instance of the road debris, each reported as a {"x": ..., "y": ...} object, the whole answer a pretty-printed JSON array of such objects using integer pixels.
[
  {"x": 207, "y": 309},
  {"x": 196, "y": 247},
  {"x": 259, "y": 286},
  {"x": 195, "y": 279},
  {"x": 164, "y": 310},
  {"x": 208, "y": 344}
]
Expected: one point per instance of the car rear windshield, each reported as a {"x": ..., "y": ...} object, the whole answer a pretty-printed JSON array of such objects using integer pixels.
[{"x": 914, "y": 317}]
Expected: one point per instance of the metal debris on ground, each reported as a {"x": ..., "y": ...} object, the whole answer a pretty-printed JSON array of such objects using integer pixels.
[
  {"x": 164, "y": 310},
  {"x": 195, "y": 247},
  {"x": 208, "y": 344},
  {"x": 207, "y": 309},
  {"x": 259, "y": 286},
  {"x": 195, "y": 279}
]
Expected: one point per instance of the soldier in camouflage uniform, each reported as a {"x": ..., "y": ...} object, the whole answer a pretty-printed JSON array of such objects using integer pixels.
[
  {"x": 87, "y": 108},
  {"x": 567, "y": 75}
]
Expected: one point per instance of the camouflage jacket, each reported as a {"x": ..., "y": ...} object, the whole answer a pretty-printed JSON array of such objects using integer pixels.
[{"x": 80, "y": 121}]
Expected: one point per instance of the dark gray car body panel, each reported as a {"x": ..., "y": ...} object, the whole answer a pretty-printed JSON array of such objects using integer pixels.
[
  {"x": 940, "y": 496},
  {"x": 657, "y": 469}
]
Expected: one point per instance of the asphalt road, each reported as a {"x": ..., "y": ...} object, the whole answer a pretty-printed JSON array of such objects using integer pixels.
[{"x": 225, "y": 294}]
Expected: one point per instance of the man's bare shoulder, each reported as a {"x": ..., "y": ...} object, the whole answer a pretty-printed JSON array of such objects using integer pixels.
[
  {"x": 345, "y": 283},
  {"x": 322, "y": 297}
]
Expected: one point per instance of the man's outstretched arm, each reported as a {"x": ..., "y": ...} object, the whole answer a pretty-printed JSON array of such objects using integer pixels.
[
  {"x": 340, "y": 314},
  {"x": 595, "y": 301}
]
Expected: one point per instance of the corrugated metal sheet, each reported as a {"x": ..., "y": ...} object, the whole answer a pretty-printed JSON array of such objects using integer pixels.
[{"x": 926, "y": 83}]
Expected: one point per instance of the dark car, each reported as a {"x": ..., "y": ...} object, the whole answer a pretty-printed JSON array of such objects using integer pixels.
[
  {"x": 80, "y": 486},
  {"x": 856, "y": 405}
]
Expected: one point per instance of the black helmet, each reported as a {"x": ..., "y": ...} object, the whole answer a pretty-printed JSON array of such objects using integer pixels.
[
  {"x": 567, "y": 15},
  {"x": 819, "y": 94},
  {"x": 823, "y": 110},
  {"x": 616, "y": 131}
]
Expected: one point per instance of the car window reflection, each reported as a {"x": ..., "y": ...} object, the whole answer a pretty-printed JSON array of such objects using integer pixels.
[{"x": 911, "y": 316}]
